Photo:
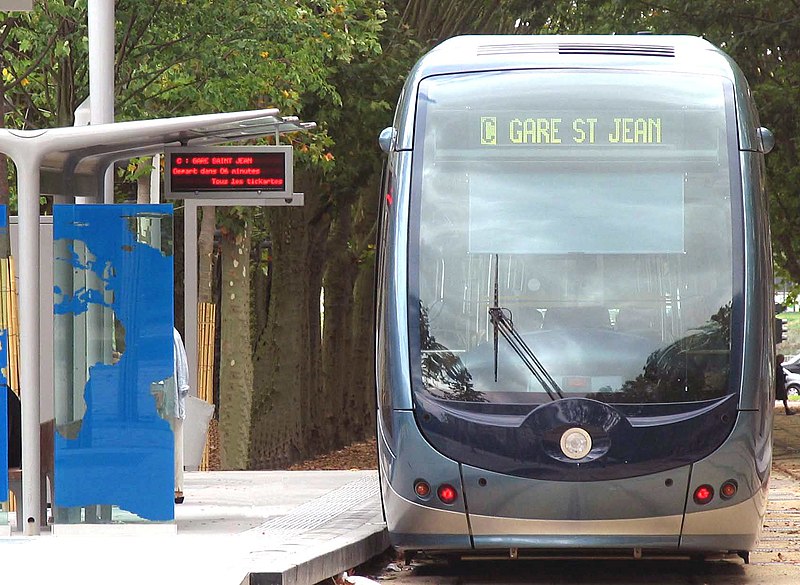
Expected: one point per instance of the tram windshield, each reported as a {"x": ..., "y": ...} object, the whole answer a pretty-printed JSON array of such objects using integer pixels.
[{"x": 592, "y": 211}]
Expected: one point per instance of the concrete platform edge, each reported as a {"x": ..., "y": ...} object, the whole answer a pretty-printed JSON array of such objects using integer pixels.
[
  {"x": 339, "y": 554},
  {"x": 155, "y": 529}
]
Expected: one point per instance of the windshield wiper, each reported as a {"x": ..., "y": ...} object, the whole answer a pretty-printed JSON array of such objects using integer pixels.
[{"x": 503, "y": 323}]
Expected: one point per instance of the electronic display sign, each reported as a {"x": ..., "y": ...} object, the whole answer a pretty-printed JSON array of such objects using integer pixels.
[
  {"x": 213, "y": 172},
  {"x": 521, "y": 129}
]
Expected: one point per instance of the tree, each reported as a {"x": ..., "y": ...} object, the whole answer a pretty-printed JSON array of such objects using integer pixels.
[
  {"x": 279, "y": 54},
  {"x": 370, "y": 87},
  {"x": 178, "y": 57},
  {"x": 763, "y": 37}
]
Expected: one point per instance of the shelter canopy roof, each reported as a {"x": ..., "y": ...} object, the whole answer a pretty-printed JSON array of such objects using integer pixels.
[{"x": 74, "y": 159}]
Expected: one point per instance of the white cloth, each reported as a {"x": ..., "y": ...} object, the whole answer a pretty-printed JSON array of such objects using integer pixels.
[
  {"x": 181, "y": 374},
  {"x": 181, "y": 378},
  {"x": 176, "y": 424}
]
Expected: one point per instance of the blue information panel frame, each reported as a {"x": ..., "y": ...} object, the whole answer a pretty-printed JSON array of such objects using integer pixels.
[
  {"x": 4, "y": 422},
  {"x": 113, "y": 363}
]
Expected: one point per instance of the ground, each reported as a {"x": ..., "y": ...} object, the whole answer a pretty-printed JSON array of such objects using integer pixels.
[
  {"x": 362, "y": 455},
  {"x": 356, "y": 456}
]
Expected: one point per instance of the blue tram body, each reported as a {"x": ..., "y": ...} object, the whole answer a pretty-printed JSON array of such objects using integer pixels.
[{"x": 574, "y": 312}]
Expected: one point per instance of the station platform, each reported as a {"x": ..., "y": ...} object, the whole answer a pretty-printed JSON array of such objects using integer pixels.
[{"x": 234, "y": 528}]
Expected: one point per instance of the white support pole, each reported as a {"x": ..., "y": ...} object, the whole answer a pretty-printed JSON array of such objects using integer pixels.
[
  {"x": 29, "y": 285},
  {"x": 155, "y": 180},
  {"x": 190, "y": 290},
  {"x": 100, "y": 16},
  {"x": 101, "y": 60}
]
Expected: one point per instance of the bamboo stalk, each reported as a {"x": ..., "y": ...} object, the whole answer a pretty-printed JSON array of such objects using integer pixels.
[
  {"x": 13, "y": 330},
  {"x": 205, "y": 360},
  {"x": 9, "y": 320}
]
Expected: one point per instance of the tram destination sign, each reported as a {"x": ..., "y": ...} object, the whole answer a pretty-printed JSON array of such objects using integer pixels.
[
  {"x": 524, "y": 129},
  {"x": 227, "y": 171}
]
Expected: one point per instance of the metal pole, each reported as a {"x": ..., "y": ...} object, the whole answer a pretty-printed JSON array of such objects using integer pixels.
[
  {"x": 101, "y": 61},
  {"x": 28, "y": 204},
  {"x": 190, "y": 289},
  {"x": 101, "y": 73},
  {"x": 155, "y": 180}
]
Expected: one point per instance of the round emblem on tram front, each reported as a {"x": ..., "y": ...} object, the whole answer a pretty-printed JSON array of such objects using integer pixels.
[{"x": 576, "y": 443}]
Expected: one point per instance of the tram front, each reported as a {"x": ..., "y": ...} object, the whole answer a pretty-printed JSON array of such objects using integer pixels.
[{"x": 577, "y": 332}]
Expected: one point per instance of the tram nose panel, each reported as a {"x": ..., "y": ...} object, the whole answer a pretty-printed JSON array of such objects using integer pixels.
[
  {"x": 576, "y": 438},
  {"x": 507, "y": 511},
  {"x": 577, "y": 430},
  {"x": 578, "y": 433}
]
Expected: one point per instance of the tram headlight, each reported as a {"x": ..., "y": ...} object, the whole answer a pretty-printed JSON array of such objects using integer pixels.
[
  {"x": 576, "y": 443},
  {"x": 422, "y": 488},
  {"x": 728, "y": 489},
  {"x": 703, "y": 494}
]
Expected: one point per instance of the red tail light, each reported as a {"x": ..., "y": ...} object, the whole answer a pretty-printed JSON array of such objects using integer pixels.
[
  {"x": 447, "y": 493},
  {"x": 703, "y": 495},
  {"x": 422, "y": 488}
]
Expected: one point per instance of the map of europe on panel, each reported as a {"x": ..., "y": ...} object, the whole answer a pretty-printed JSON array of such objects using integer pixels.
[{"x": 113, "y": 306}]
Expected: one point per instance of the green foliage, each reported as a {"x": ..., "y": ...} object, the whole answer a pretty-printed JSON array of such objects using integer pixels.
[
  {"x": 136, "y": 169},
  {"x": 44, "y": 57},
  {"x": 175, "y": 57},
  {"x": 217, "y": 55}
]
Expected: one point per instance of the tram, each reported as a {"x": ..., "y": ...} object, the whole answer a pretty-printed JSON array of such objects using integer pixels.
[{"x": 574, "y": 313}]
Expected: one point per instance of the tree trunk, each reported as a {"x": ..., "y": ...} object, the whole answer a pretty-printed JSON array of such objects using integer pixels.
[
  {"x": 281, "y": 362},
  {"x": 261, "y": 288},
  {"x": 4, "y": 191},
  {"x": 333, "y": 415},
  {"x": 288, "y": 391},
  {"x": 143, "y": 181},
  {"x": 315, "y": 397},
  {"x": 361, "y": 398},
  {"x": 236, "y": 366},
  {"x": 205, "y": 254}
]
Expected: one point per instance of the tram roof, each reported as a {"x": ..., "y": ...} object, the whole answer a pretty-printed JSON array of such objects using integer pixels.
[
  {"x": 74, "y": 158},
  {"x": 641, "y": 51}
]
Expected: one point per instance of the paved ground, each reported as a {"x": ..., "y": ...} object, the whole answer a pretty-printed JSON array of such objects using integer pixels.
[
  {"x": 780, "y": 542},
  {"x": 278, "y": 527}
]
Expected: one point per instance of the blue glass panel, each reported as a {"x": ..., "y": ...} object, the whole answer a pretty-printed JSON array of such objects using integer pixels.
[
  {"x": 4, "y": 426},
  {"x": 113, "y": 305}
]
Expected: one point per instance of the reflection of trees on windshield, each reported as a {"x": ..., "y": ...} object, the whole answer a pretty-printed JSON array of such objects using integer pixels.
[
  {"x": 694, "y": 368},
  {"x": 443, "y": 372}
]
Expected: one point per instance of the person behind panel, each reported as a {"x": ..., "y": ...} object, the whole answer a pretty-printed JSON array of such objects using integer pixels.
[
  {"x": 781, "y": 392},
  {"x": 14, "y": 430},
  {"x": 181, "y": 377}
]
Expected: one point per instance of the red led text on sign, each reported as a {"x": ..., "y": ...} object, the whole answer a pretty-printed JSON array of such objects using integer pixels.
[{"x": 263, "y": 171}]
